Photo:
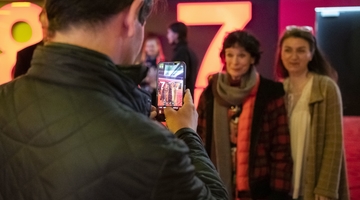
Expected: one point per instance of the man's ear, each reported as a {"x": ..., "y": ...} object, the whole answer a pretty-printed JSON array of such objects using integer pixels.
[{"x": 132, "y": 17}]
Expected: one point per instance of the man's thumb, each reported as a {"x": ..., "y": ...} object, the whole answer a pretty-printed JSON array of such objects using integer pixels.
[{"x": 168, "y": 111}]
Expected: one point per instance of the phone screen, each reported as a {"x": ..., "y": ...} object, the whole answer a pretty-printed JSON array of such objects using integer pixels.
[{"x": 170, "y": 85}]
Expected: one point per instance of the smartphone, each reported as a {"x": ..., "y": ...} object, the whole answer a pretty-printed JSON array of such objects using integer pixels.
[{"x": 171, "y": 86}]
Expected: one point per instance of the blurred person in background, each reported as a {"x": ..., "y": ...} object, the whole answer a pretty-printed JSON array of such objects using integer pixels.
[
  {"x": 151, "y": 54},
  {"x": 177, "y": 36}
]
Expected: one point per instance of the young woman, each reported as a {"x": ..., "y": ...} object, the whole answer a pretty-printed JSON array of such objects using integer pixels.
[
  {"x": 243, "y": 124},
  {"x": 152, "y": 52},
  {"x": 151, "y": 55},
  {"x": 315, "y": 116}
]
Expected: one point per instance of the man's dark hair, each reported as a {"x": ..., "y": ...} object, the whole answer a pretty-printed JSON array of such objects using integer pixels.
[
  {"x": 181, "y": 29},
  {"x": 65, "y": 13},
  {"x": 245, "y": 40}
]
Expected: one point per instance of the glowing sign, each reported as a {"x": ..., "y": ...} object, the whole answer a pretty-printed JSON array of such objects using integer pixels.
[
  {"x": 10, "y": 14},
  {"x": 230, "y": 15}
]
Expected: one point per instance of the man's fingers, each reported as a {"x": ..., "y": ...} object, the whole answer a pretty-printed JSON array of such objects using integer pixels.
[
  {"x": 153, "y": 114},
  {"x": 153, "y": 108},
  {"x": 188, "y": 98},
  {"x": 168, "y": 111}
]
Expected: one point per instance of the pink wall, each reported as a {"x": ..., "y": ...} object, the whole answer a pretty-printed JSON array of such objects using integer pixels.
[{"x": 302, "y": 12}]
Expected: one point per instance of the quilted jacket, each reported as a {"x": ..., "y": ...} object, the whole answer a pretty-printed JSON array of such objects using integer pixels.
[{"x": 76, "y": 127}]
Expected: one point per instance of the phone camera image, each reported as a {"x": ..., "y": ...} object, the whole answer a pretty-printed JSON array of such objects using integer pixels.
[{"x": 170, "y": 88}]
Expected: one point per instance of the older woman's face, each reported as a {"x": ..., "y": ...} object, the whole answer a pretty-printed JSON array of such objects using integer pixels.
[{"x": 238, "y": 61}]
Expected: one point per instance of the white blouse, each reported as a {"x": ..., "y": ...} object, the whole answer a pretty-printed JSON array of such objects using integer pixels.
[{"x": 299, "y": 124}]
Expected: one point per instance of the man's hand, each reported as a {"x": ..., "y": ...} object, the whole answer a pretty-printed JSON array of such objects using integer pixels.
[
  {"x": 153, "y": 112},
  {"x": 185, "y": 117}
]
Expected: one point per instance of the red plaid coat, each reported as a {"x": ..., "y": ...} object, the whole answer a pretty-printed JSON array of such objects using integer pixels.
[{"x": 270, "y": 162}]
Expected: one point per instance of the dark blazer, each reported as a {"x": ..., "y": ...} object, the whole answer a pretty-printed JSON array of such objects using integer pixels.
[
  {"x": 23, "y": 59},
  {"x": 182, "y": 52}
]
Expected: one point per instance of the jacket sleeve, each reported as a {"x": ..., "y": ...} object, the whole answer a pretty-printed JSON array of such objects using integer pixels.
[
  {"x": 329, "y": 177},
  {"x": 188, "y": 172},
  {"x": 281, "y": 161}
]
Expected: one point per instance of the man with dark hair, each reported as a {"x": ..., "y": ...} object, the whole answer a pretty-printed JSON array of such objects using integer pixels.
[
  {"x": 77, "y": 126},
  {"x": 24, "y": 56},
  {"x": 177, "y": 36}
]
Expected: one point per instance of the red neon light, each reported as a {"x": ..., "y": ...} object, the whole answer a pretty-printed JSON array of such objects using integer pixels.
[
  {"x": 9, "y": 15},
  {"x": 230, "y": 15}
]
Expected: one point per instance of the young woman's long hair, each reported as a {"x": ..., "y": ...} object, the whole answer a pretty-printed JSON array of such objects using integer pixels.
[
  {"x": 160, "y": 56},
  {"x": 318, "y": 64}
]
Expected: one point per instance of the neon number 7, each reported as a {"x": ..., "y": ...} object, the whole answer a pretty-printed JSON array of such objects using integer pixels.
[{"x": 230, "y": 15}]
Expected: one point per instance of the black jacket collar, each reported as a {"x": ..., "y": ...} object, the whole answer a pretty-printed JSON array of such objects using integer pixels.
[
  {"x": 180, "y": 44},
  {"x": 79, "y": 67}
]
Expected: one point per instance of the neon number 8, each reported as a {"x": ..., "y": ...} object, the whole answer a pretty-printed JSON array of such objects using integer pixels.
[{"x": 230, "y": 15}]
